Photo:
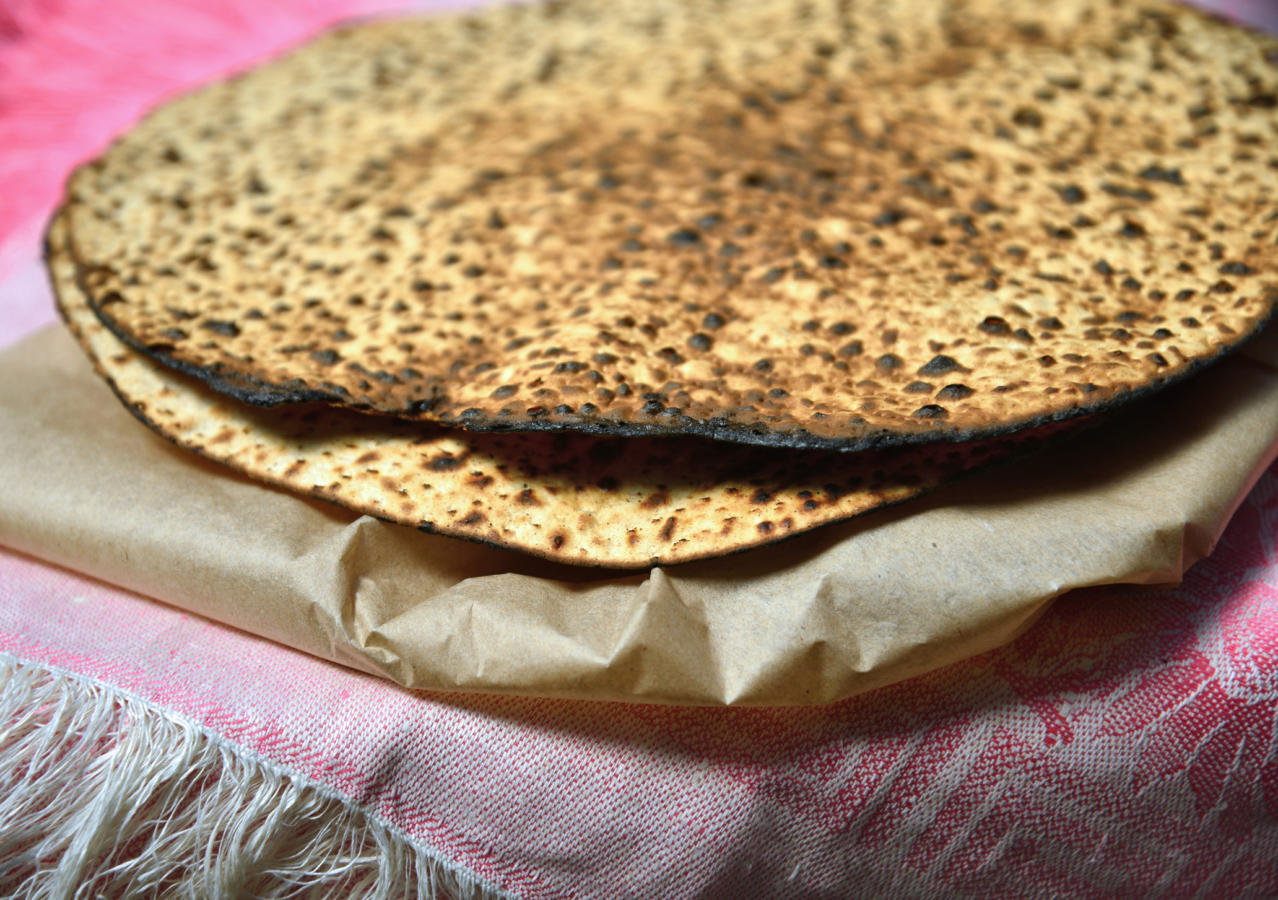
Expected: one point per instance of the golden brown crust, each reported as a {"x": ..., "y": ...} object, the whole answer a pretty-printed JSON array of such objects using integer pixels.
[
  {"x": 796, "y": 223},
  {"x": 622, "y": 503}
]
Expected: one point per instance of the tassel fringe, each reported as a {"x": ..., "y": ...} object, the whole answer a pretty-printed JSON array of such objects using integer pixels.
[{"x": 105, "y": 795}]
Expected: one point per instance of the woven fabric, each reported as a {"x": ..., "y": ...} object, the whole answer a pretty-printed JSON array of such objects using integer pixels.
[{"x": 1127, "y": 744}]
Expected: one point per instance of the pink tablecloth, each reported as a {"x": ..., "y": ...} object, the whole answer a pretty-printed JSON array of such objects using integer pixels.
[{"x": 1126, "y": 745}]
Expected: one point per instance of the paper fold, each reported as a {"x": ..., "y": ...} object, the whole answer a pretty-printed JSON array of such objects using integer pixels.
[{"x": 837, "y": 611}]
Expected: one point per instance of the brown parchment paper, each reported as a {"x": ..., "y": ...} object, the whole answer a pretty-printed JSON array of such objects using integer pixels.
[{"x": 831, "y": 613}]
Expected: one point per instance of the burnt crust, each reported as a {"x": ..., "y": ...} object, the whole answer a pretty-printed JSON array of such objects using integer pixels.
[
  {"x": 1106, "y": 251},
  {"x": 607, "y": 504}
]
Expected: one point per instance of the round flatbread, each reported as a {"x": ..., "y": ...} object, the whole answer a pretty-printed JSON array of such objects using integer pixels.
[
  {"x": 787, "y": 222},
  {"x": 624, "y": 503}
]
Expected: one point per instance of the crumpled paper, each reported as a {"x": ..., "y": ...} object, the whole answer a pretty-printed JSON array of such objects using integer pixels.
[{"x": 834, "y": 612}]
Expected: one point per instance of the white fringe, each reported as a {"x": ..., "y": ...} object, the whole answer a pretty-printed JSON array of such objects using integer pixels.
[{"x": 104, "y": 795}]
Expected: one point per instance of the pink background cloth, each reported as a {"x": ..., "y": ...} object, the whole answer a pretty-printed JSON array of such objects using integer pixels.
[{"x": 1127, "y": 744}]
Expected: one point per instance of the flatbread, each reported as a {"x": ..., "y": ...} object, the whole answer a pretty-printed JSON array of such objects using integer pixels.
[
  {"x": 788, "y": 222},
  {"x": 623, "y": 503}
]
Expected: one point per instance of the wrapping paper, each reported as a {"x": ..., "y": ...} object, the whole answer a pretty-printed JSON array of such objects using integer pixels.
[
  {"x": 1123, "y": 745},
  {"x": 811, "y": 620}
]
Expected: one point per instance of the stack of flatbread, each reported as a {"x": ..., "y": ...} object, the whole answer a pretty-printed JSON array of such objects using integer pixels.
[{"x": 627, "y": 283}]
